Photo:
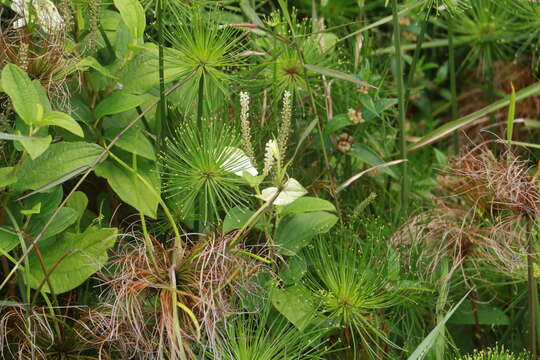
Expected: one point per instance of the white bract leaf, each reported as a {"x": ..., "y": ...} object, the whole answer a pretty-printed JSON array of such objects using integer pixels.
[
  {"x": 237, "y": 162},
  {"x": 292, "y": 190},
  {"x": 45, "y": 11}
]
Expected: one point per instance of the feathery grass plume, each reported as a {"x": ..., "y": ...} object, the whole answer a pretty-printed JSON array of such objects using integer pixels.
[
  {"x": 40, "y": 49},
  {"x": 496, "y": 353},
  {"x": 32, "y": 333},
  {"x": 285, "y": 128},
  {"x": 138, "y": 315},
  {"x": 246, "y": 127},
  {"x": 204, "y": 165},
  {"x": 268, "y": 336},
  {"x": 201, "y": 46},
  {"x": 353, "y": 288},
  {"x": 480, "y": 216}
]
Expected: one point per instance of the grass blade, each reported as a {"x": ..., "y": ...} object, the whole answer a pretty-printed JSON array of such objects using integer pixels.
[
  {"x": 470, "y": 119},
  {"x": 429, "y": 340}
]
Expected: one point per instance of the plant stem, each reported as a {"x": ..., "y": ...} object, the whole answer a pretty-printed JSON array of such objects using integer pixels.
[
  {"x": 401, "y": 109},
  {"x": 453, "y": 86},
  {"x": 162, "y": 107},
  {"x": 416, "y": 55},
  {"x": 532, "y": 297}
]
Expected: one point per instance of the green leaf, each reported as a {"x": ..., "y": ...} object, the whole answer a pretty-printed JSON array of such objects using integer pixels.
[
  {"x": 475, "y": 117},
  {"x": 8, "y": 239},
  {"x": 75, "y": 257},
  {"x": 90, "y": 62},
  {"x": 134, "y": 141},
  {"x": 337, "y": 75},
  {"x": 62, "y": 120},
  {"x": 236, "y": 218},
  {"x": 337, "y": 123},
  {"x": 487, "y": 315},
  {"x": 117, "y": 102},
  {"x": 22, "y": 92},
  {"x": 298, "y": 230},
  {"x": 293, "y": 270},
  {"x": 296, "y": 304},
  {"x": 7, "y": 177},
  {"x": 49, "y": 200},
  {"x": 369, "y": 157},
  {"x": 130, "y": 188},
  {"x": 78, "y": 202},
  {"x": 36, "y": 147},
  {"x": 132, "y": 14},
  {"x": 307, "y": 204},
  {"x": 65, "y": 218},
  {"x": 58, "y": 160}
]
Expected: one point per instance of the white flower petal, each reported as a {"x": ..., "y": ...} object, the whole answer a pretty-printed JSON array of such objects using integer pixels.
[
  {"x": 291, "y": 191},
  {"x": 237, "y": 162}
]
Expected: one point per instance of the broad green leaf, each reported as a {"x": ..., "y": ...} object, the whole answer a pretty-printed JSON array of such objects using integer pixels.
[
  {"x": 58, "y": 160},
  {"x": 8, "y": 238},
  {"x": 49, "y": 200},
  {"x": 90, "y": 62},
  {"x": 134, "y": 141},
  {"x": 132, "y": 14},
  {"x": 62, "y": 120},
  {"x": 236, "y": 218},
  {"x": 369, "y": 157},
  {"x": 62, "y": 179},
  {"x": 43, "y": 97},
  {"x": 293, "y": 270},
  {"x": 307, "y": 204},
  {"x": 130, "y": 188},
  {"x": 74, "y": 257},
  {"x": 36, "y": 148},
  {"x": 475, "y": 117},
  {"x": 296, "y": 304},
  {"x": 7, "y": 177},
  {"x": 298, "y": 230},
  {"x": 65, "y": 218},
  {"x": 78, "y": 202},
  {"x": 22, "y": 93},
  {"x": 337, "y": 123},
  {"x": 292, "y": 190},
  {"x": 337, "y": 75},
  {"x": 487, "y": 315},
  {"x": 117, "y": 102}
]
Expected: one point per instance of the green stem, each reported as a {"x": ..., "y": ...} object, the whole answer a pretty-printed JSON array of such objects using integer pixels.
[
  {"x": 532, "y": 297},
  {"x": 416, "y": 55},
  {"x": 401, "y": 109},
  {"x": 162, "y": 107},
  {"x": 200, "y": 222},
  {"x": 453, "y": 84}
]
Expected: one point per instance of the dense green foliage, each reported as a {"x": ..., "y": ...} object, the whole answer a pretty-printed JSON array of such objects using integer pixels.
[{"x": 269, "y": 180}]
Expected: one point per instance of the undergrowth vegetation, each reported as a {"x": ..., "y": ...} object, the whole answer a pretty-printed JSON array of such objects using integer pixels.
[{"x": 269, "y": 179}]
